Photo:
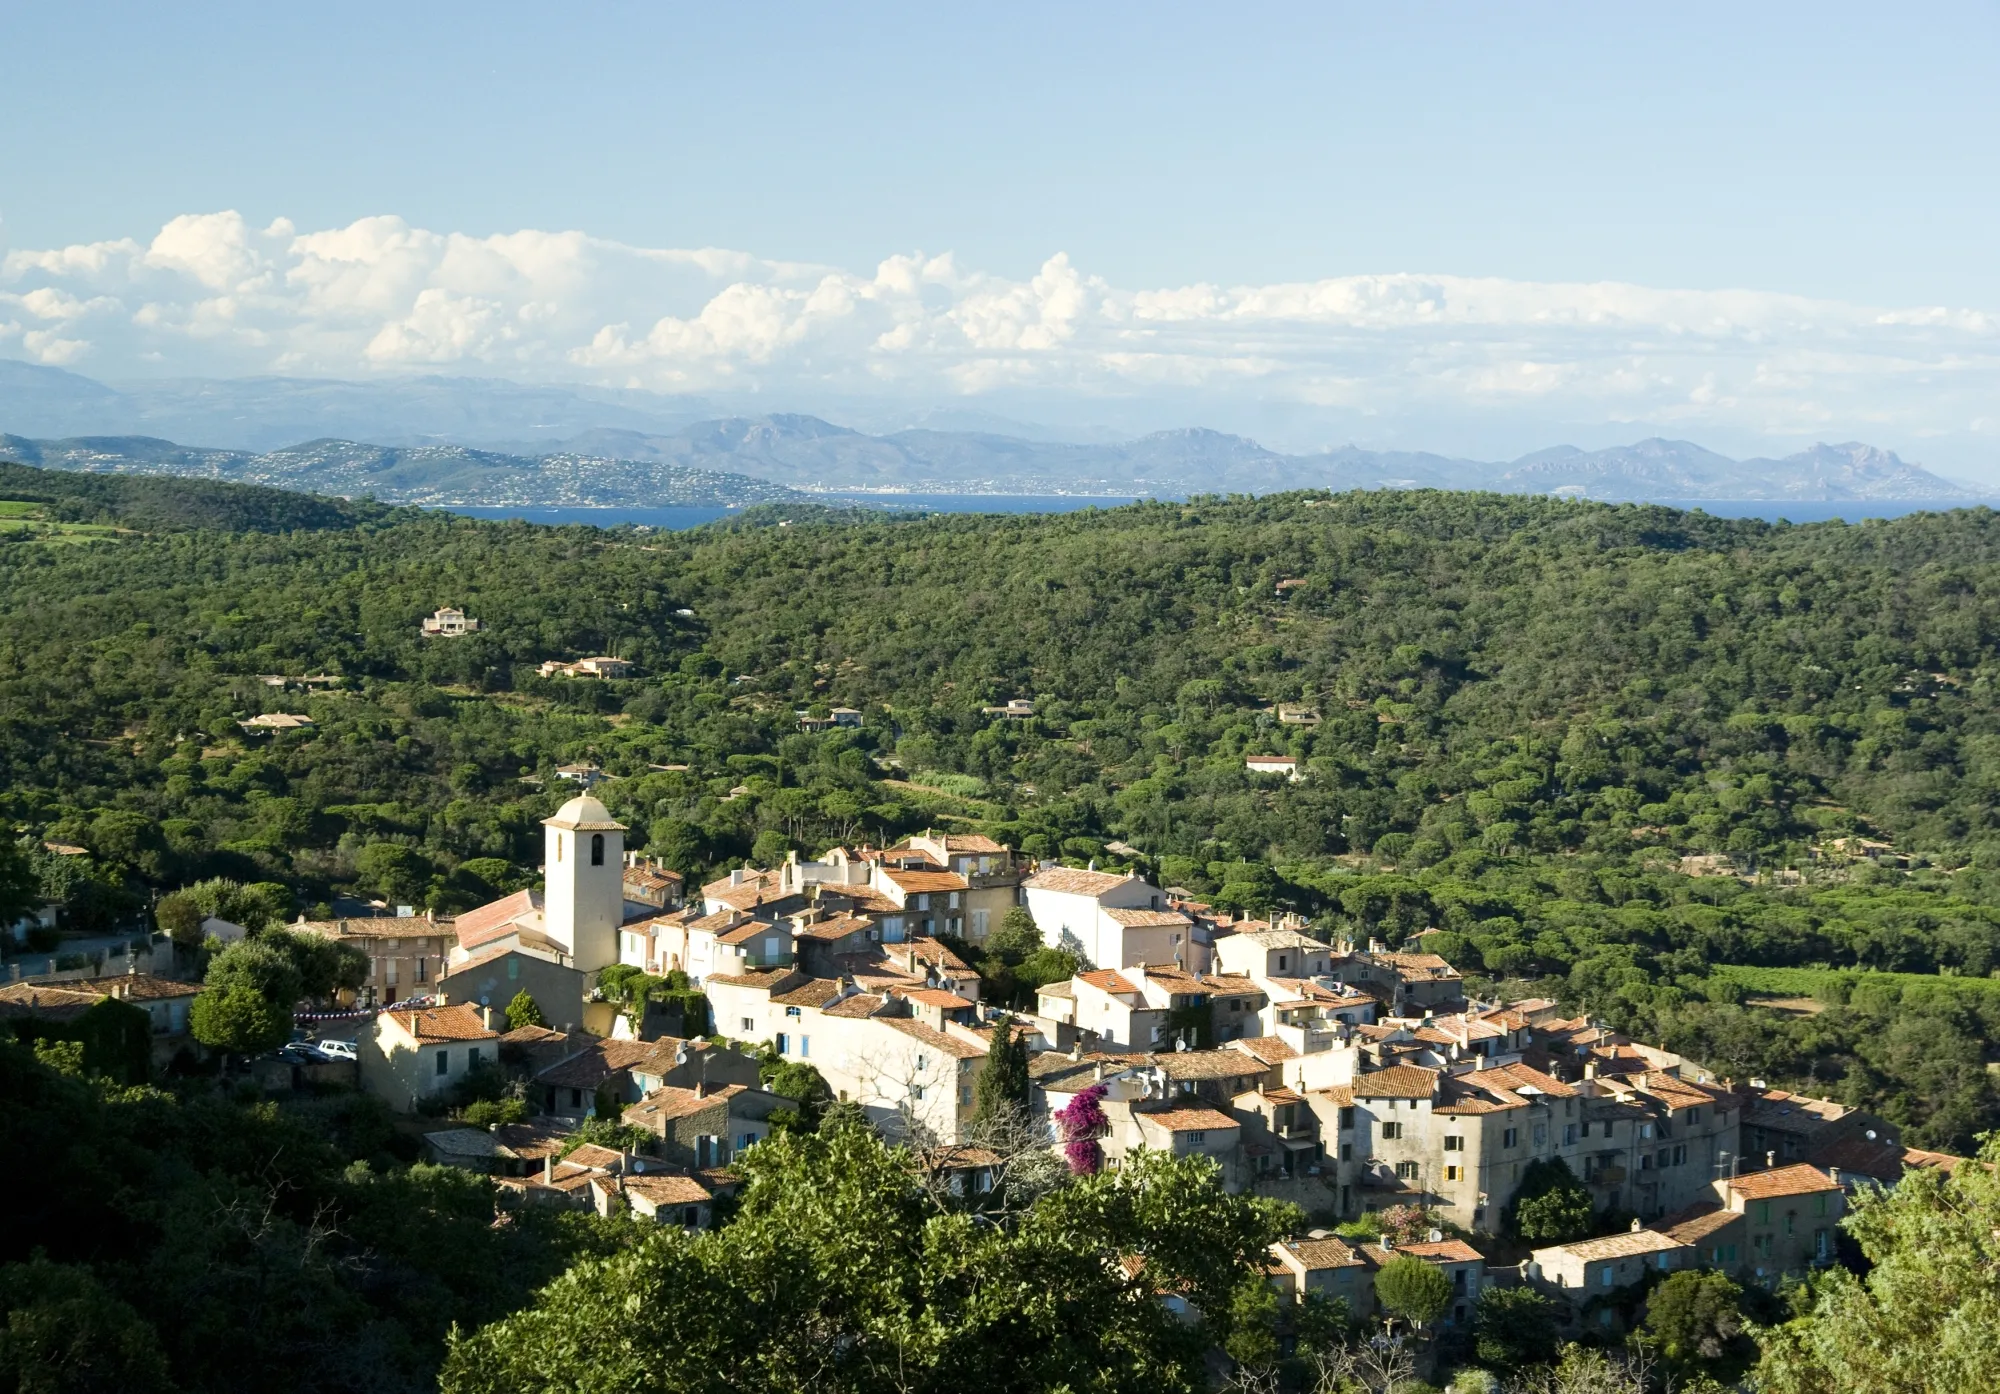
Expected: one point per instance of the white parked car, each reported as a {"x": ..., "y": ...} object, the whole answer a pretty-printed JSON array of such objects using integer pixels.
[{"x": 338, "y": 1050}]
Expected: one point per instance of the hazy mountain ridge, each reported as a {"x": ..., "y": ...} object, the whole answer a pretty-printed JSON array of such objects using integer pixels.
[
  {"x": 556, "y": 445},
  {"x": 427, "y": 474}
]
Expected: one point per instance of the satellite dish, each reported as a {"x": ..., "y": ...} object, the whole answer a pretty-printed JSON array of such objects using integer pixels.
[
  {"x": 638, "y": 1165},
  {"x": 1871, "y": 1134},
  {"x": 681, "y": 1055}
]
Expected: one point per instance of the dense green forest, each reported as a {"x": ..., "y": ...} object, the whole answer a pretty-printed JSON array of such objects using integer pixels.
[{"x": 1531, "y": 711}]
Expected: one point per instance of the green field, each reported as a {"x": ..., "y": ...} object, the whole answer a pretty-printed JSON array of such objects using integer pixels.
[
  {"x": 1807, "y": 982},
  {"x": 21, "y": 518}
]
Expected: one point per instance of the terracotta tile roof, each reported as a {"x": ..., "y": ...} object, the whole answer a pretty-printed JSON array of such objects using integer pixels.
[
  {"x": 1052, "y": 1065},
  {"x": 814, "y": 992},
  {"x": 1522, "y": 1080},
  {"x": 752, "y": 877},
  {"x": 1280, "y": 939},
  {"x": 971, "y": 842},
  {"x": 931, "y": 997},
  {"x": 1271, "y": 1050},
  {"x": 464, "y": 1142},
  {"x": 1627, "y": 1244},
  {"x": 930, "y": 951},
  {"x": 376, "y": 927},
  {"x": 930, "y": 1036},
  {"x": 926, "y": 882},
  {"x": 1794, "y": 1113},
  {"x": 1697, "y": 1222},
  {"x": 668, "y": 1189},
  {"x": 531, "y": 945},
  {"x": 1440, "y": 1251},
  {"x": 1396, "y": 1082},
  {"x": 1070, "y": 881},
  {"x": 589, "y": 1154},
  {"x": 665, "y": 1105},
  {"x": 861, "y": 1004},
  {"x": 1306, "y": 990},
  {"x": 1061, "y": 989},
  {"x": 428, "y": 1025},
  {"x": 1107, "y": 980},
  {"x": 1429, "y": 964},
  {"x": 597, "y": 1062},
  {"x": 747, "y": 933},
  {"x": 532, "y": 1035},
  {"x": 834, "y": 928},
  {"x": 1339, "y": 1095},
  {"x": 756, "y": 977},
  {"x": 1315, "y": 1255},
  {"x": 1800, "y": 1180},
  {"x": 1221, "y": 1063},
  {"x": 1149, "y": 919},
  {"x": 50, "y": 1002},
  {"x": 721, "y": 922},
  {"x": 495, "y": 919},
  {"x": 143, "y": 987},
  {"x": 1941, "y": 1161},
  {"x": 864, "y": 899},
  {"x": 652, "y": 879},
  {"x": 530, "y": 1142},
  {"x": 1188, "y": 1118}
]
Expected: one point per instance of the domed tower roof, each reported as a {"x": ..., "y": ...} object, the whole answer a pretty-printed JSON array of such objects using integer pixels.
[{"x": 584, "y": 814}]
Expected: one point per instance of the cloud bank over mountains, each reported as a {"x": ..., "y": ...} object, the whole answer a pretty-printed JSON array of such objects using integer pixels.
[{"x": 211, "y": 295}]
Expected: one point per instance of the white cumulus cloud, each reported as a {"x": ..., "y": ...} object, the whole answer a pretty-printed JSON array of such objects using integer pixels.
[{"x": 210, "y": 294}]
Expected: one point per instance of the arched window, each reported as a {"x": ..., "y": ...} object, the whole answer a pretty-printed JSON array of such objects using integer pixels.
[{"x": 597, "y": 849}]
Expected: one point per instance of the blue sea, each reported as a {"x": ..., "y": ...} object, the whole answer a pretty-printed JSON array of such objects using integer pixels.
[{"x": 674, "y": 518}]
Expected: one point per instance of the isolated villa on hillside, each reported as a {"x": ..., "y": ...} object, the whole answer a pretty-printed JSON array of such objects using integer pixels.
[{"x": 449, "y": 623}]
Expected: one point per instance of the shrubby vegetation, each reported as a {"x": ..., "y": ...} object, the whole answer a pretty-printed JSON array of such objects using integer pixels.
[
  {"x": 1529, "y": 712},
  {"x": 842, "y": 1271},
  {"x": 195, "y": 1241}
]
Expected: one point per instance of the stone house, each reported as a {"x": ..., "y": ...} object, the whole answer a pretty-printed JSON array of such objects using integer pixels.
[
  {"x": 418, "y": 1052},
  {"x": 706, "y": 1125}
]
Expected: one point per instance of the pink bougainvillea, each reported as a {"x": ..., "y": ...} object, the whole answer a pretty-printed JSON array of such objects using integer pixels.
[{"x": 1082, "y": 1123}]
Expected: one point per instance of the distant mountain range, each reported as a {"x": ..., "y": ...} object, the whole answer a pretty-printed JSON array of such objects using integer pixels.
[
  {"x": 579, "y": 446},
  {"x": 424, "y": 474}
]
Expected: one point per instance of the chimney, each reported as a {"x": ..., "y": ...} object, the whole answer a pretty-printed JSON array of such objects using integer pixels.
[
  {"x": 1770, "y": 1159},
  {"x": 548, "y": 1168},
  {"x": 1590, "y": 1069},
  {"x": 1833, "y": 1175},
  {"x": 1635, "y": 1224},
  {"x": 486, "y": 1018},
  {"x": 701, "y": 1088},
  {"x": 736, "y": 876}
]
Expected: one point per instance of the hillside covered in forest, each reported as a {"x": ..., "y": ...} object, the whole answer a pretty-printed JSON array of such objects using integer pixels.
[{"x": 1520, "y": 722}]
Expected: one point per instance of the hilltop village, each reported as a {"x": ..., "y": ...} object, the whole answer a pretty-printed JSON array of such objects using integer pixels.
[{"x": 1359, "y": 1082}]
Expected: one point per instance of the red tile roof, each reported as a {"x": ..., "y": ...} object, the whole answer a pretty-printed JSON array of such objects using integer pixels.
[
  {"x": 495, "y": 919},
  {"x": 428, "y": 1025},
  {"x": 1799, "y": 1180},
  {"x": 1396, "y": 1082}
]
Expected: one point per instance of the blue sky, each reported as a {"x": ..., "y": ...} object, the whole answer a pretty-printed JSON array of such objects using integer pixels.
[{"x": 1838, "y": 155}]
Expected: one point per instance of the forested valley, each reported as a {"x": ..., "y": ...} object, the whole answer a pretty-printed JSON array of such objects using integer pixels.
[{"x": 1524, "y": 723}]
